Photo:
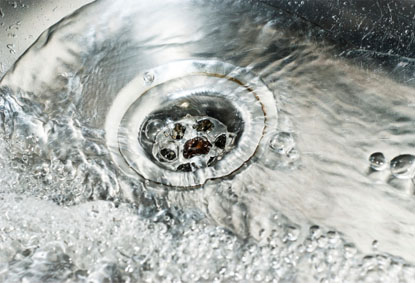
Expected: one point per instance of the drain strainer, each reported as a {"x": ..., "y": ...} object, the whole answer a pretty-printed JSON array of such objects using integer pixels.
[
  {"x": 189, "y": 121},
  {"x": 190, "y": 143}
]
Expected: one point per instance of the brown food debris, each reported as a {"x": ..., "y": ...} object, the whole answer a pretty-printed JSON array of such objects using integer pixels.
[{"x": 196, "y": 146}]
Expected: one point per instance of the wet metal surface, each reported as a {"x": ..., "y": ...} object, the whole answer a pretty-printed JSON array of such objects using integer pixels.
[{"x": 294, "y": 148}]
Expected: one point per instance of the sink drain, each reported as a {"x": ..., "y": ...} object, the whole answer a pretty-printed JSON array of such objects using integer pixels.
[
  {"x": 190, "y": 143},
  {"x": 186, "y": 122}
]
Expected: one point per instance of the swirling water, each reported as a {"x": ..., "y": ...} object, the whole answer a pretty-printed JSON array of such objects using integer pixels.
[{"x": 317, "y": 205}]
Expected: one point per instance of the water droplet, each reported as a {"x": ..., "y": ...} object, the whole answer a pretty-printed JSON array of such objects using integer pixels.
[
  {"x": 375, "y": 245},
  {"x": 377, "y": 161},
  {"x": 1, "y": 13},
  {"x": 282, "y": 143},
  {"x": 11, "y": 48},
  {"x": 148, "y": 78},
  {"x": 403, "y": 166}
]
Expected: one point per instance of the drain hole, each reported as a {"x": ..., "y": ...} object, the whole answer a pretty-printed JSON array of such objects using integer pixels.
[
  {"x": 220, "y": 142},
  {"x": 168, "y": 154},
  {"x": 196, "y": 146},
  {"x": 178, "y": 131},
  {"x": 204, "y": 125},
  {"x": 184, "y": 168},
  {"x": 212, "y": 161}
]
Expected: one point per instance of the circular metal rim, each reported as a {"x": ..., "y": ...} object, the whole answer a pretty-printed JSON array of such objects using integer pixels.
[
  {"x": 140, "y": 109},
  {"x": 126, "y": 98}
]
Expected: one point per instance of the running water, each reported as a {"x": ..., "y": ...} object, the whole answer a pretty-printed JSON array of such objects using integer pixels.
[{"x": 299, "y": 164}]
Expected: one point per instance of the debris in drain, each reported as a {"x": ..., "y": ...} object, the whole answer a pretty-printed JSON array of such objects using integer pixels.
[
  {"x": 184, "y": 168},
  {"x": 192, "y": 143},
  {"x": 220, "y": 142},
  {"x": 168, "y": 154},
  {"x": 212, "y": 161},
  {"x": 204, "y": 125},
  {"x": 196, "y": 146},
  {"x": 178, "y": 131}
]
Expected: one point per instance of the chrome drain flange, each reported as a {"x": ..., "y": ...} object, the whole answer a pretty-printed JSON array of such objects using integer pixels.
[{"x": 183, "y": 123}]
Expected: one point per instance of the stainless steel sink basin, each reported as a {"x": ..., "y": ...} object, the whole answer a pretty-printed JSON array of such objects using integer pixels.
[{"x": 208, "y": 141}]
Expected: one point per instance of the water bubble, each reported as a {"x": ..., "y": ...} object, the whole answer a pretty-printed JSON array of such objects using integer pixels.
[
  {"x": 322, "y": 241},
  {"x": 282, "y": 143},
  {"x": 258, "y": 276},
  {"x": 148, "y": 77},
  {"x": 375, "y": 245},
  {"x": 349, "y": 250},
  {"x": 292, "y": 233},
  {"x": 293, "y": 155},
  {"x": 377, "y": 161},
  {"x": 310, "y": 245},
  {"x": 332, "y": 256},
  {"x": 333, "y": 237},
  {"x": 403, "y": 166},
  {"x": 152, "y": 128},
  {"x": 315, "y": 232}
]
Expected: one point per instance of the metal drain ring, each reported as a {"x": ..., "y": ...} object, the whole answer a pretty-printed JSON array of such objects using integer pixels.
[{"x": 230, "y": 94}]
